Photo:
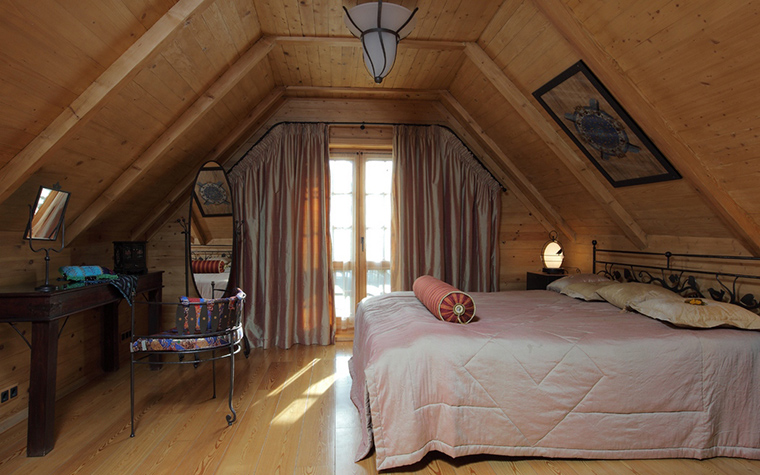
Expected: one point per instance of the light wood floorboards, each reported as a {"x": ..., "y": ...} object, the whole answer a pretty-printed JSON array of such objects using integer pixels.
[{"x": 294, "y": 417}]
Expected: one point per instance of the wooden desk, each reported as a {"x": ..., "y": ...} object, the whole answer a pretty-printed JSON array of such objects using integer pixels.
[{"x": 44, "y": 310}]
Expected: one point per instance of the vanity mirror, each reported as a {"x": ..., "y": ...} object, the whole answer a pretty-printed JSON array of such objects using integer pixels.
[
  {"x": 46, "y": 215},
  {"x": 211, "y": 240},
  {"x": 45, "y": 223}
]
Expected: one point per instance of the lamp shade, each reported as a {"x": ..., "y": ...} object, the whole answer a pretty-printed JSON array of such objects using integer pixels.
[
  {"x": 380, "y": 26},
  {"x": 552, "y": 255}
]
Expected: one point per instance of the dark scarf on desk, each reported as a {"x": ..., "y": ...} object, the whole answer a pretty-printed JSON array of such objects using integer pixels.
[{"x": 125, "y": 284}]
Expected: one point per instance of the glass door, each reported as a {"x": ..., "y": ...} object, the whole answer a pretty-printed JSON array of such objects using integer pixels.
[{"x": 360, "y": 216}]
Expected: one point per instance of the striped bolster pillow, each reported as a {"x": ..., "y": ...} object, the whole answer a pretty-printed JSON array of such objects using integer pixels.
[
  {"x": 443, "y": 300},
  {"x": 208, "y": 267}
]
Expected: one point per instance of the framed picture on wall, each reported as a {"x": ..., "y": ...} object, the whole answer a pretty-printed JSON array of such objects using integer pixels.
[{"x": 602, "y": 129}]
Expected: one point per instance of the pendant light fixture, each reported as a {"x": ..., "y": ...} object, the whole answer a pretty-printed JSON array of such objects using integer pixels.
[{"x": 380, "y": 26}]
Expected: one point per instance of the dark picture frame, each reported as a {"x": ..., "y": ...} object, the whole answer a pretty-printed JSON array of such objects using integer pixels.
[{"x": 602, "y": 129}]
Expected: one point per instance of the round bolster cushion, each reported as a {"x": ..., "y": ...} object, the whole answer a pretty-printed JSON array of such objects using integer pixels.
[
  {"x": 208, "y": 267},
  {"x": 443, "y": 300}
]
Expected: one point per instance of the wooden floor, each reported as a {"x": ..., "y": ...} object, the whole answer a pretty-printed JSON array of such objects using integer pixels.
[{"x": 294, "y": 416}]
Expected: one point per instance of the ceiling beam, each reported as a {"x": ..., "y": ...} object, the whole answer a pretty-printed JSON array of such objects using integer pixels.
[
  {"x": 190, "y": 117},
  {"x": 506, "y": 170},
  {"x": 363, "y": 92},
  {"x": 177, "y": 197},
  {"x": 84, "y": 107},
  {"x": 355, "y": 43},
  {"x": 685, "y": 160},
  {"x": 578, "y": 167}
]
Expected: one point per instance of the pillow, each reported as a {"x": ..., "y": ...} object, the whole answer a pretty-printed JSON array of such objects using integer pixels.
[
  {"x": 586, "y": 290},
  {"x": 208, "y": 267},
  {"x": 708, "y": 314},
  {"x": 626, "y": 294},
  {"x": 560, "y": 284},
  {"x": 443, "y": 300}
]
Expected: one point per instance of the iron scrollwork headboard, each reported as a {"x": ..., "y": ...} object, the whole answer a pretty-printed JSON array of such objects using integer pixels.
[{"x": 679, "y": 279}]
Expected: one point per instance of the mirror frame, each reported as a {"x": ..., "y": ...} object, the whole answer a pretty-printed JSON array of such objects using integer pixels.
[
  {"x": 33, "y": 209},
  {"x": 195, "y": 200}
]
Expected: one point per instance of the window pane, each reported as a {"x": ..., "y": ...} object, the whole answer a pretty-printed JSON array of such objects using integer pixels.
[
  {"x": 378, "y": 282},
  {"x": 377, "y": 202},
  {"x": 343, "y": 294},
  {"x": 341, "y": 176},
  {"x": 378, "y": 176},
  {"x": 342, "y": 245},
  {"x": 378, "y": 244},
  {"x": 378, "y": 212},
  {"x": 342, "y": 211}
]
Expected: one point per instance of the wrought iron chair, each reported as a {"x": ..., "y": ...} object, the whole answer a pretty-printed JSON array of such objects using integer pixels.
[{"x": 208, "y": 329}]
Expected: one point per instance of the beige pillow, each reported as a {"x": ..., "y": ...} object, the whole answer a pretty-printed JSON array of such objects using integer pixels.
[
  {"x": 559, "y": 284},
  {"x": 626, "y": 294},
  {"x": 586, "y": 290},
  {"x": 711, "y": 314}
]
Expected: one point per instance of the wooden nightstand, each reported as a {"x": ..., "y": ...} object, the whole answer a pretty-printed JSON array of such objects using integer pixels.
[{"x": 539, "y": 280}]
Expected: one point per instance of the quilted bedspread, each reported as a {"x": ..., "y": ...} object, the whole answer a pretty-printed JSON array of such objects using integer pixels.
[{"x": 540, "y": 374}]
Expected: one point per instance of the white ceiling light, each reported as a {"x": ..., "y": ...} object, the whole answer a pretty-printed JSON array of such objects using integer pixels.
[{"x": 380, "y": 26}]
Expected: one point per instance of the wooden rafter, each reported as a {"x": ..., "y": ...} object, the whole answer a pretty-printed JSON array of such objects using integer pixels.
[
  {"x": 374, "y": 92},
  {"x": 84, "y": 107},
  {"x": 557, "y": 144},
  {"x": 169, "y": 205},
  {"x": 506, "y": 170},
  {"x": 686, "y": 161},
  {"x": 355, "y": 43},
  {"x": 190, "y": 117}
]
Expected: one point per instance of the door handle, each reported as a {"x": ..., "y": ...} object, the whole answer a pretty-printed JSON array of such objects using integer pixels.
[{"x": 362, "y": 242}]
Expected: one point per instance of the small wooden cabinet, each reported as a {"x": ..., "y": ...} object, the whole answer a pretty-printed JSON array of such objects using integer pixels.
[
  {"x": 539, "y": 280},
  {"x": 129, "y": 257}
]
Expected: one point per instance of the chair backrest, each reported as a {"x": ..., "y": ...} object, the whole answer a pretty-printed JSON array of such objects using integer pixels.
[{"x": 209, "y": 315}]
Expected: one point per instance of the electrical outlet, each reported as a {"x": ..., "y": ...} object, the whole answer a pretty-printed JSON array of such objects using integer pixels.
[
  {"x": 5, "y": 396},
  {"x": 14, "y": 391},
  {"x": 126, "y": 335}
]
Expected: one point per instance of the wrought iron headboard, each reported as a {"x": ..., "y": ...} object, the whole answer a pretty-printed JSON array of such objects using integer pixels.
[
  {"x": 681, "y": 280},
  {"x": 208, "y": 252}
]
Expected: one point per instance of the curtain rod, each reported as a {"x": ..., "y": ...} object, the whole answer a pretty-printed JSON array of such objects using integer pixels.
[{"x": 362, "y": 124}]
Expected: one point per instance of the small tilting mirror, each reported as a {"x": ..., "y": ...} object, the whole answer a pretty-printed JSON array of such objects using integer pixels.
[
  {"x": 45, "y": 223},
  {"x": 46, "y": 215},
  {"x": 211, "y": 232}
]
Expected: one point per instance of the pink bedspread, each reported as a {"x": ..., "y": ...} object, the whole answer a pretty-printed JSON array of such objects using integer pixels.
[{"x": 540, "y": 374}]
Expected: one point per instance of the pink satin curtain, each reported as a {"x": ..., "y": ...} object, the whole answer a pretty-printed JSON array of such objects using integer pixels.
[
  {"x": 282, "y": 195},
  {"x": 445, "y": 212}
]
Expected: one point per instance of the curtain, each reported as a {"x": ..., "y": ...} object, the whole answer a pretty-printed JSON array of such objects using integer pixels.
[
  {"x": 282, "y": 194},
  {"x": 445, "y": 212}
]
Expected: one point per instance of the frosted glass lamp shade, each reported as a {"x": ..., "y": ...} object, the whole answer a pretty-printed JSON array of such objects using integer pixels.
[
  {"x": 380, "y": 26},
  {"x": 552, "y": 255}
]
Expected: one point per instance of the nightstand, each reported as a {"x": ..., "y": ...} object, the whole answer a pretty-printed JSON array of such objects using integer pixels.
[{"x": 539, "y": 280}]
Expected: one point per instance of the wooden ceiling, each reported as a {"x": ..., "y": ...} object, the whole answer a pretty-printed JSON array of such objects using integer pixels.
[{"x": 120, "y": 101}]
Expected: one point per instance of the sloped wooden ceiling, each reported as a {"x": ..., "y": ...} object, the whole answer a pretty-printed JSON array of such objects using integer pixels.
[{"x": 121, "y": 100}]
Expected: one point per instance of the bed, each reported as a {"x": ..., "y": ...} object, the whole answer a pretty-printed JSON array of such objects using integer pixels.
[
  {"x": 212, "y": 285},
  {"x": 537, "y": 373}
]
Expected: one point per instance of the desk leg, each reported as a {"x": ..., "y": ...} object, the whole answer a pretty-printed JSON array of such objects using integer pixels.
[
  {"x": 41, "y": 428},
  {"x": 109, "y": 356},
  {"x": 154, "y": 322}
]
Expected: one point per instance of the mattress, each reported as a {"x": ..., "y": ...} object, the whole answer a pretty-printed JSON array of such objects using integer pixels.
[{"x": 537, "y": 373}]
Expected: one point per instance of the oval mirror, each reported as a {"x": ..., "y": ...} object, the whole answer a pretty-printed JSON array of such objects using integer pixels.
[{"x": 212, "y": 241}]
